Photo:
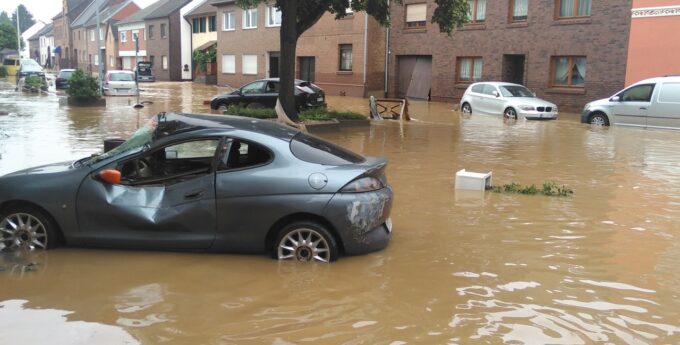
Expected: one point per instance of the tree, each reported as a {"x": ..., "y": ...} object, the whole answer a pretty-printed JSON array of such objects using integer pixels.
[
  {"x": 299, "y": 15},
  {"x": 4, "y": 18},
  {"x": 25, "y": 18},
  {"x": 8, "y": 36}
]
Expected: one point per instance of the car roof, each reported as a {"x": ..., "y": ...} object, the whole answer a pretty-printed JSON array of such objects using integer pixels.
[
  {"x": 297, "y": 81},
  {"x": 119, "y": 71},
  {"x": 175, "y": 123},
  {"x": 667, "y": 78},
  {"x": 67, "y": 70},
  {"x": 497, "y": 83}
]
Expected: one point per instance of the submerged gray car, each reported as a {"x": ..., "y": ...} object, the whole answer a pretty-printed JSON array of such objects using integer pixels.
[{"x": 205, "y": 182}]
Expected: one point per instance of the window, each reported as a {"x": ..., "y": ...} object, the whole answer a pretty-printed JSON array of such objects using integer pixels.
[
  {"x": 78, "y": 34},
  {"x": 111, "y": 61},
  {"x": 670, "y": 93},
  {"x": 345, "y": 63},
  {"x": 573, "y": 8},
  {"x": 101, "y": 34},
  {"x": 163, "y": 34},
  {"x": 229, "y": 22},
  {"x": 519, "y": 10},
  {"x": 489, "y": 90},
  {"x": 201, "y": 24},
  {"x": 96, "y": 60},
  {"x": 123, "y": 36},
  {"x": 314, "y": 150},
  {"x": 212, "y": 24},
  {"x": 228, "y": 63},
  {"x": 249, "y": 64},
  {"x": 568, "y": 71},
  {"x": 638, "y": 93},
  {"x": 479, "y": 88},
  {"x": 244, "y": 154},
  {"x": 349, "y": 10},
  {"x": 150, "y": 30},
  {"x": 416, "y": 14},
  {"x": 469, "y": 69},
  {"x": 477, "y": 11},
  {"x": 151, "y": 59},
  {"x": 254, "y": 87},
  {"x": 135, "y": 35},
  {"x": 194, "y": 25},
  {"x": 164, "y": 61},
  {"x": 92, "y": 35},
  {"x": 250, "y": 18},
  {"x": 273, "y": 16}
]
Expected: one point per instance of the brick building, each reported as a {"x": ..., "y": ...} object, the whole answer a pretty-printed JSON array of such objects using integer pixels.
[
  {"x": 567, "y": 51},
  {"x": 63, "y": 42},
  {"x": 203, "y": 20},
  {"x": 332, "y": 53}
]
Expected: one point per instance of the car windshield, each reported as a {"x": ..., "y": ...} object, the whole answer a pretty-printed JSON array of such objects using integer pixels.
[
  {"x": 140, "y": 139},
  {"x": 29, "y": 62},
  {"x": 515, "y": 91},
  {"x": 65, "y": 74},
  {"x": 121, "y": 77}
]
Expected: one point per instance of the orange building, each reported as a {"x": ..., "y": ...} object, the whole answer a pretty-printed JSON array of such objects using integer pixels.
[{"x": 653, "y": 49}]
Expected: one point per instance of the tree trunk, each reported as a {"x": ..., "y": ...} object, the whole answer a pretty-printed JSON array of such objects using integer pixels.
[{"x": 288, "y": 37}]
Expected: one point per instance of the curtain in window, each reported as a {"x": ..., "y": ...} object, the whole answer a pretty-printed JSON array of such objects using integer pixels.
[
  {"x": 578, "y": 74},
  {"x": 567, "y": 8},
  {"x": 464, "y": 69},
  {"x": 471, "y": 5},
  {"x": 521, "y": 9},
  {"x": 346, "y": 59},
  {"x": 477, "y": 70},
  {"x": 481, "y": 10},
  {"x": 584, "y": 8},
  {"x": 561, "y": 71}
]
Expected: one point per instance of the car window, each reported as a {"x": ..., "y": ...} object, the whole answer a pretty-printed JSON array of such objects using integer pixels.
[
  {"x": 9, "y": 62},
  {"x": 670, "y": 93},
  {"x": 314, "y": 150},
  {"x": 255, "y": 87},
  {"x": 639, "y": 93},
  {"x": 515, "y": 91},
  {"x": 121, "y": 77},
  {"x": 65, "y": 74},
  {"x": 272, "y": 87},
  {"x": 244, "y": 154},
  {"x": 489, "y": 89},
  {"x": 479, "y": 88},
  {"x": 192, "y": 149}
]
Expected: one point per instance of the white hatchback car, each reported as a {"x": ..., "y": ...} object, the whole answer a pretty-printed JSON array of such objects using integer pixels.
[
  {"x": 119, "y": 83},
  {"x": 653, "y": 103},
  {"x": 510, "y": 100}
]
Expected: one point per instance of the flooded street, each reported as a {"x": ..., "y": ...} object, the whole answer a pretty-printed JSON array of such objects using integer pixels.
[{"x": 461, "y": 268}]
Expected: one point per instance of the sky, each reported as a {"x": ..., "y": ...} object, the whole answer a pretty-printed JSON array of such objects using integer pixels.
[{"x": 44, "y": 10}]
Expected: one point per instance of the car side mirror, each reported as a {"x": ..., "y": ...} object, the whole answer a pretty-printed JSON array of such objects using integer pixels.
[
  {"x": 495, "y": 93},
  {"x": 615, "y": 99},
  {"x": 109, "y": 176},
  {"x": 534, "y": 93}
]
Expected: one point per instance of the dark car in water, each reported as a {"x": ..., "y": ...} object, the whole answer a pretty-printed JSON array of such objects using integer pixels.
[
  {"x": 29, "y": 67},
  {"x": 144, "y": 71},
  {"x": 263, "y": 94},
  {"x": 205, "y": 182},
  {"x": 62, "y": 78}
]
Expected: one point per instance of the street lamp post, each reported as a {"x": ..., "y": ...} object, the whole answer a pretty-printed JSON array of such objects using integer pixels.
[{"x": 99, "y": 53}]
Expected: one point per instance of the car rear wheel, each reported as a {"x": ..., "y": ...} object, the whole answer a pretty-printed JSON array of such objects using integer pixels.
[
  {"x": 26, "y": 228},
  {"x": 466, "y": 109},
  {"x": 305, "y": 241},
  {"x": 599, "y": 119},
  {"x": 510, "y": 113}
]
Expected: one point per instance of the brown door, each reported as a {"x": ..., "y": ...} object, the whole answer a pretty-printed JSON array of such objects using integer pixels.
[{"x": 414, "y": 77}]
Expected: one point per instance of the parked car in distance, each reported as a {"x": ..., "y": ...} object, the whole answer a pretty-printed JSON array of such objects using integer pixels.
[
  {"x": 653, "y": 103},
  {"x": 205, "y": 182},
  {"x": 263, "y": 94},
  {"x": 29, "y": 67},
  {"x": 144, "y": 71},
  {"x": 62, "y": 78},
  {"x": 510, "y": 100},
  {"x": 119, "y": 83},
  {"x": 11, "y": 65}
]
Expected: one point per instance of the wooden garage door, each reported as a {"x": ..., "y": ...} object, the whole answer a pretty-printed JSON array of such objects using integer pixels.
[{"x": 415, "y": 76}]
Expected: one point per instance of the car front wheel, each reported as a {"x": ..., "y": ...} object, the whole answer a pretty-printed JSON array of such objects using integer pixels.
[
  {"x": 466, "y": 109},
  {"x": 599, "y": 119},
  {"x": 510, "y": 113},
  {"x": 26, "y": 228},
  {"x": 222, "y": 107},
  {"x": 305, "y": 241}
]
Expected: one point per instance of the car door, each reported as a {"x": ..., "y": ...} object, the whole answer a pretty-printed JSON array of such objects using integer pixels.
[
  {"x": 495, "y": 102},
  {"x": 475, "y": 97},
  {"x": 271, "y": 93},
  {"x": 632, "y": 105},
  {"x": 166, "y": 199},
  {"x": 253, "y": 93},
  {"x": 664, "y": 110},
  {"x": 485, "y": 99}
]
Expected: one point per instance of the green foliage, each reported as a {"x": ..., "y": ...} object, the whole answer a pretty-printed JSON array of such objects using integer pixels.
[
  {"x": 549, "y": 189},
  {"x": 202, "y": 58},
  {"x": 25, "y": 18},
  {"x": 3, "y": 71},
  {"x": 82, "y": 86},
  {"x": 262, "y": 113},
  {"x": 313, "y": 114},
  {"x": 34, "y": 82},
  {"x": 8, "y": 36}
]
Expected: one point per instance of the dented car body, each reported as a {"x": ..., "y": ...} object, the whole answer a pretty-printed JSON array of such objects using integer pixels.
[{"x": 204, "y": 182}]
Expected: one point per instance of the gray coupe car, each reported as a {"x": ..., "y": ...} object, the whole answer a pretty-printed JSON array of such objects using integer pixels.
[{"x": 205, "y": 182}]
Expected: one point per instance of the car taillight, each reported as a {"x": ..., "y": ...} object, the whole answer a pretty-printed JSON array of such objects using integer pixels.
[{"x": 364, "y": 184}]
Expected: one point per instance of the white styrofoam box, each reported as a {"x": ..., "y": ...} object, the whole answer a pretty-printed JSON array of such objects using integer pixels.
[{"x": 472, "y": 181}]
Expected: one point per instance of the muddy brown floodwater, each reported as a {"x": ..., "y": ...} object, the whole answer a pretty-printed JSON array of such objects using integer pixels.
[{"x": 462, "y": 268}]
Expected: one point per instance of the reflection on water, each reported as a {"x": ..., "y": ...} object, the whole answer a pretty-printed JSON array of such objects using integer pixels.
[{"x": 462, "y": 267}]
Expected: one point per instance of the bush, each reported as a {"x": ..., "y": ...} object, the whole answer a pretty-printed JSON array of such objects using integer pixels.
[
  {"x": 82, "y": 86},
  {"x": 35, "y": 82},
  {"x": 3, "y": 71},
  {"x": 262, "y": 113},
  {"x": 313, "y": 114}
]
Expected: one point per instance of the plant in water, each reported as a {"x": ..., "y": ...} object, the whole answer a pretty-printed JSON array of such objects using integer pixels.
[
  {"x": 82, "y": 86},
  {"x": 35, "y": 83},
  {"x": 3, "y": 71},
  {"x": 549, "y": 189}
]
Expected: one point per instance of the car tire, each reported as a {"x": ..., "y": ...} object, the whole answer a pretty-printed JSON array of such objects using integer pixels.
[
  {"x": 510, "y": 113},
  {"x": 26, "y": 227},
  {"x": 598, "y": 119},
  {"x": 466, "y": 109},
  {"x": 222, "y": 107},
  {"x": 305, "y": 241},
  {"x": 255, "y": 106}
]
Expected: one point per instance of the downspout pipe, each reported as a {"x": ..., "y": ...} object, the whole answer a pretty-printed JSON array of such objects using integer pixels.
[
  {"x": 387, "y": 51},
  {"x": 365, "y": 51}
]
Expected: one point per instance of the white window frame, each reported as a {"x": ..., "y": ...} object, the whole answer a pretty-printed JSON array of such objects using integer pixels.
[
  {"x": 92, "y": 35},
  {"x": 247, "y": 14},
  {"x": 123, "y": 36},
  {"x": 164, "y": 62},
  {"x": 135, "y": 33},
  {"x": 231, "y": 70},
  {"x": 232, "y": 22},
  {"x": 244, "y": 65},
  {"x": 349, "y": 9},
  {"x": 271, "y": 10},
  {"x": 111, "y": 61},
  {"x": 96, "y": 59},
  {"x": 101, "y": 34}
]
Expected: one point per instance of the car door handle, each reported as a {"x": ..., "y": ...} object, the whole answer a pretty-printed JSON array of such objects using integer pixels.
[
  {"x": 643, "y": 108},
  {"x": 193, "y": 195}
]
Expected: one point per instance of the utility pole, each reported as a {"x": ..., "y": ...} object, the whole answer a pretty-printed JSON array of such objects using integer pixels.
[
  {"x": 99, "y": 52},
  {"x": 18, "y": 34}
]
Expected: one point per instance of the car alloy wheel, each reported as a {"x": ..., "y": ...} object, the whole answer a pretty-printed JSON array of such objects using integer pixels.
[
  {"x": 467, "y": 110},
  {"x": 306, "y": 242},
  {"x": 598, "y": 120},
  {"x": 222, "y": 108},
  {"x": 22, "y": 231},
  {"x": 510, "y": 113}
]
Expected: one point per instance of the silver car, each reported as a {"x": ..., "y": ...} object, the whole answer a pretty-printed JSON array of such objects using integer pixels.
[
  {"x": 119, "y": 83},
  {"x": 510, "y": 100}
]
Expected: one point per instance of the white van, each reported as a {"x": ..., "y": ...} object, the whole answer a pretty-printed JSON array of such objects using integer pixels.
[{"x": 653, "y": 103}]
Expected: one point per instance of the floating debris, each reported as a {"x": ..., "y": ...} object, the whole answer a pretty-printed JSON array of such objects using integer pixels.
[{"x": 549, "y": 189}]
